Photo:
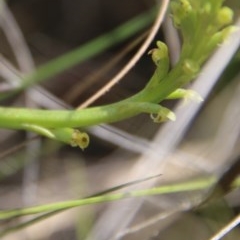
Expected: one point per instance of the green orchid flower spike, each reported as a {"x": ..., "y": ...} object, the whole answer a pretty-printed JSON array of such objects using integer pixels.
[{"x": 203, "y": 24}]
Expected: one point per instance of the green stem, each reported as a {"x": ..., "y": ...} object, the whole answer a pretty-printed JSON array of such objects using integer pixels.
[
  {"x": 194, "y": 185},
  {"x": 16, "y": 117},
  {"x": 145, "y": 101}
]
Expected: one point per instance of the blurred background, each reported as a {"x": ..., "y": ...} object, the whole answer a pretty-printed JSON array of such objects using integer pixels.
[{"x": 203, "y": 142}]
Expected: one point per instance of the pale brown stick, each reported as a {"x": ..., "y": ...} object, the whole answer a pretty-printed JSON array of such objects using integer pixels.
[{"x": 134, "y": 59}]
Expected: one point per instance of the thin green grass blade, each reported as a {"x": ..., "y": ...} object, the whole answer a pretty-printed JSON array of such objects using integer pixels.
[
  {"x": 88, "y": 50},
  {"x": 193, "y": 185}
]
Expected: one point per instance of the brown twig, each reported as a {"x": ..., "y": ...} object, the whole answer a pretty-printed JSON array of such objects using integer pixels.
[{"x": 134, "y": 59}]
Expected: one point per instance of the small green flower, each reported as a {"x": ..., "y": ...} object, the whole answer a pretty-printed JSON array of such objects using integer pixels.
[
  {"x": 181, "y": 10},
  {"x": 79, "y": 139},
  {"x": 163, "y": 115}
]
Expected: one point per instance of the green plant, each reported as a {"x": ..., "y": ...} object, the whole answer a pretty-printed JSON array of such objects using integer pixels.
[
  {"x": 204, "y": 25},
  {"x": 51, "y": 209}
]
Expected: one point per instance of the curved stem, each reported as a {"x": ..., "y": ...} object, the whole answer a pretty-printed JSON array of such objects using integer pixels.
[
  {"x": 145, "y": 101},
  {"x": 160, "y": 86}
]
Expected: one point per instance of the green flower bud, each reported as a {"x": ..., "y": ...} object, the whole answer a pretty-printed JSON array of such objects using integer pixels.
[
  {"x": 159, "y": 53},
  {"x": 206, "y": 8},
  {"x": 180, "y": 10},
  {"x": 220, "y": 37},
  {"x": 186, "y": 94},
  {"x": 224, "y": 16},
  {"x": 190, "y": 67},
  {"x": 79, "y": 139}
]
